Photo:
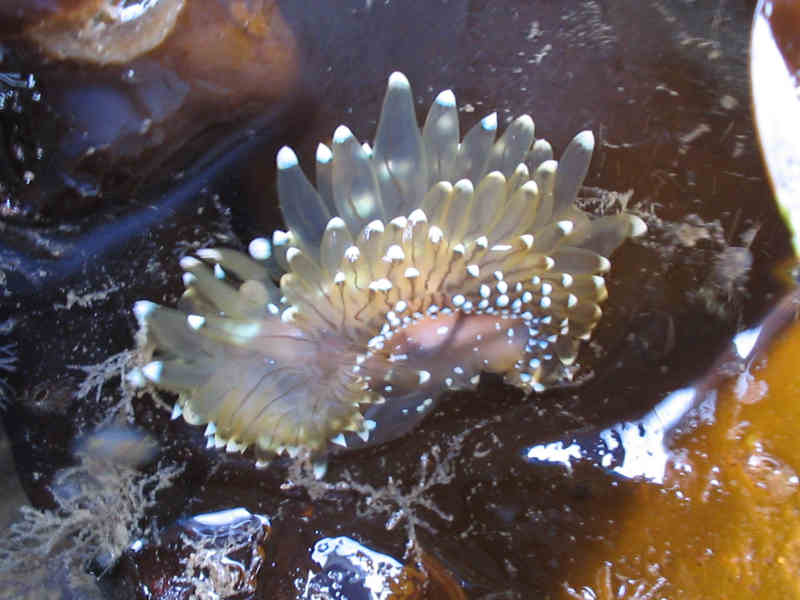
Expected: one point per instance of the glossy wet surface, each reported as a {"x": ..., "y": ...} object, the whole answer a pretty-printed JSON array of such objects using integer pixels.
[{"x": 504, "y": 496}]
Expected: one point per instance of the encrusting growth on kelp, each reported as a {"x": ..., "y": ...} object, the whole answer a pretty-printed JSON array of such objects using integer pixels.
[{"x": 412, "y": 267}]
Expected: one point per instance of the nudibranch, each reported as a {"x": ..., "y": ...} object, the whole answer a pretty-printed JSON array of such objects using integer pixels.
[{"x": 413, "y": 266}]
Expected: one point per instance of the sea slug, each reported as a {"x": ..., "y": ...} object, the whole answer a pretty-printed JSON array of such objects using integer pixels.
[{"x": 412, "y": 267}]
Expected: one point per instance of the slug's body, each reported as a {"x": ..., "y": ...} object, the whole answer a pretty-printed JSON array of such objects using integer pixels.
[{"x": 411, "y": 268}]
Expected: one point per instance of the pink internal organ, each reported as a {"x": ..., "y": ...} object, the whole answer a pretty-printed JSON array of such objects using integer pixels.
[{"x": 468, "y": 343}]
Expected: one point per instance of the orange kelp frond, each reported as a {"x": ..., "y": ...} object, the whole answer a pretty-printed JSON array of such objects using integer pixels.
[{"x": 412, "y": 267}]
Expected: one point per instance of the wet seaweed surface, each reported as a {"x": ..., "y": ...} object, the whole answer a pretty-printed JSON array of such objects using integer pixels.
[{"x": 495, "y": 495}]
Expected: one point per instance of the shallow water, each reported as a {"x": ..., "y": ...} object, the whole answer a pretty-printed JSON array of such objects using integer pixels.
[{"x": 522, "y": 497}]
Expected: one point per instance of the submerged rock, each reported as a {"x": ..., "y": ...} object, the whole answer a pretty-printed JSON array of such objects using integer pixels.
[{"x": 213, "y": 555}]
